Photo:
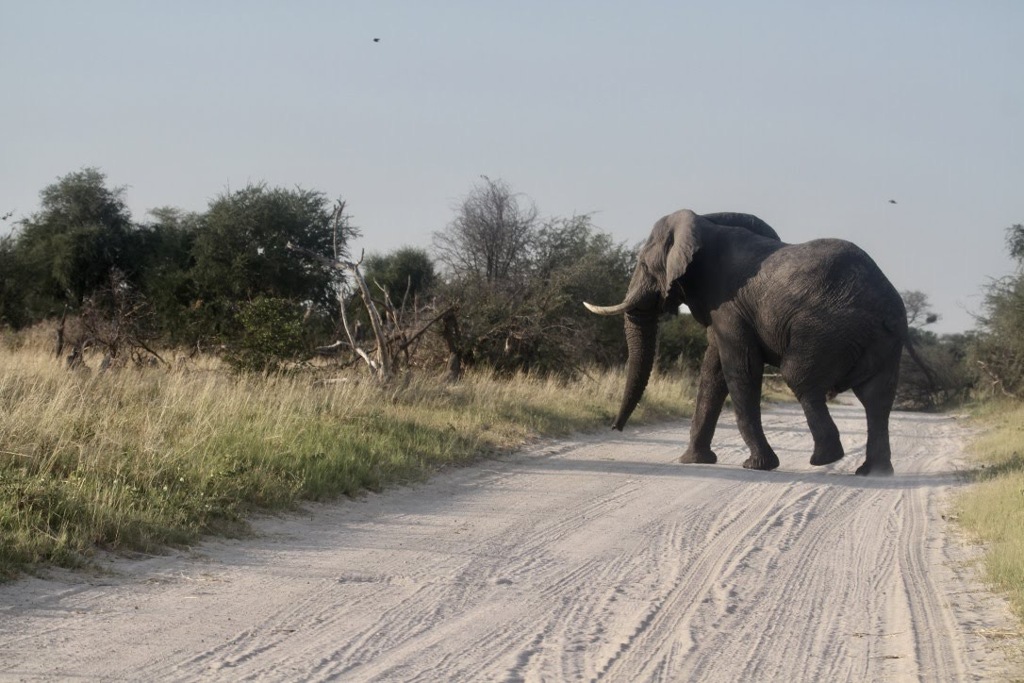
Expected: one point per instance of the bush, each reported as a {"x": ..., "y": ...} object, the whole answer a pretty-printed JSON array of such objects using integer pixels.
[
  {"x": 271, "y": 335},
  {"x": 948, "y": 380},
  {"x": 1000, "y": 349}
]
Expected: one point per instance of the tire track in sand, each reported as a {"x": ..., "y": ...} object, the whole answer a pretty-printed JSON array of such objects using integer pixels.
[{"x": 596, "y": 559}]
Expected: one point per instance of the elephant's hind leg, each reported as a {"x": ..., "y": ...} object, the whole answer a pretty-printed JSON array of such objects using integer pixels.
[
  {"x": 828, "y": 448},
  {"x": 877, "y": 396}
]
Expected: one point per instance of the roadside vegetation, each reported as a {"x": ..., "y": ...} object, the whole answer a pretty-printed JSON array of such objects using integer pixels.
[
  {"x": 145, "y": 458},
  {"x": 993, "y": 508}
]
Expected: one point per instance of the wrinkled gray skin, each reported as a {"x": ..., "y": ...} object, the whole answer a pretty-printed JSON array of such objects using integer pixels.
[{"x": 821, "y": 311}]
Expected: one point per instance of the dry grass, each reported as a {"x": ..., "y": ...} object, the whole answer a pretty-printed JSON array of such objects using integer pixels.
[
  {"x": 142, "y": 459},
  {"x": 993, "y": 508}
]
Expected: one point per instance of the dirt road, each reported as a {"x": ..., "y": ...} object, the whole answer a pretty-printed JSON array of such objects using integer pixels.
[{"x": 594, "y": 559}]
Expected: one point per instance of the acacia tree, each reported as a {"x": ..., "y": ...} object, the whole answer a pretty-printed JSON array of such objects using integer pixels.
[
  {"x": 240, "y": 254},
  {"x": 491, "y": 235},
  {"x": 405, "y": 273},
  {"x": 164, "y": 265},
  {"x": 240, "y": 248},
  {"x": 69, "y": 247}
]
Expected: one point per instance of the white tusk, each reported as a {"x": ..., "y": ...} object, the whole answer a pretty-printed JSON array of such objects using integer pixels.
[{"x": 607, "y": 310}]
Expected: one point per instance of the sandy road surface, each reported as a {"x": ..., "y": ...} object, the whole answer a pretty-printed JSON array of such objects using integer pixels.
[{"x": 593, "y": 559}]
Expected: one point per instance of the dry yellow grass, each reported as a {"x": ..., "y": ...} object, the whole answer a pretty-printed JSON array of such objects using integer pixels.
[
  {"x": 139, "y": 459},
  {"x": 993, "y": 508}
]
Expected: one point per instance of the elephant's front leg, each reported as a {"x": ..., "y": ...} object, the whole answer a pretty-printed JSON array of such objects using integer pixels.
[
  {"x": 743, "y": 367},
  {"x": 711, "y": 393}
]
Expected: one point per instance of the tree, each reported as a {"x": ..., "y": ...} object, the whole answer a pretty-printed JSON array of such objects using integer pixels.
[
  {"x": 12, "y": 293},
  {"x": 69, "y": 247},
  {"x": 240, "y": 252},
  {"x": 532, "y": 318},
  {"x": 491, "y": 235},
  {"x": 240, "y": 249},
  {"x": 405, "y": 272},
  {"x": 164, "y": 263},
  {"x": 1015, "y": 243},
  {"x": 947, "y": 378},
  {"x": 919, "y": 309},
  {"x": 1000, "y": 344},
  {"x": 574, "y": 261}
]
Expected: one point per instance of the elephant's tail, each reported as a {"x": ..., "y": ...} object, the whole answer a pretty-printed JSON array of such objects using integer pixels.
[{"x": 933, "y": 384}]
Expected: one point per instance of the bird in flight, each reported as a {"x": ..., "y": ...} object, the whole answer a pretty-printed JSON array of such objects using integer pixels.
[
  {"x": 376, "y": 40},
  {"x": 892, "y": 201}
]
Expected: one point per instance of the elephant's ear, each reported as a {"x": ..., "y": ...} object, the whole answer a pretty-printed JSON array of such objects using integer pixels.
[{"x": 682, "y": 240}]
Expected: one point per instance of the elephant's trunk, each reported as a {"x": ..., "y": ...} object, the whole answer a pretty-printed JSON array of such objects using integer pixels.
[{"x": 641, "y": 338}]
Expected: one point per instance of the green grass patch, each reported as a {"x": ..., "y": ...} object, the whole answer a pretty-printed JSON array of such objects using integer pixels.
[
  {"x": 144, "y": 459},
  {"x": 993, "y": 508}
]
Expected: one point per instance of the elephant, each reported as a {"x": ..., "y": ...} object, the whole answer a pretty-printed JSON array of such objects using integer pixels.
[{"x": 821, "y": 311}]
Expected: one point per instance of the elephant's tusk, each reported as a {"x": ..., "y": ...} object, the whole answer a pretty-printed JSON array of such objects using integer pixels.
[{"x": 608, "y": 310}]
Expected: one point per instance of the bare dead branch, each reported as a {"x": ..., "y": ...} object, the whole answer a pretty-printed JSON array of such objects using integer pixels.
[
  {"x": 382, "y": 364},
  {"x": 996, "y": 381}
]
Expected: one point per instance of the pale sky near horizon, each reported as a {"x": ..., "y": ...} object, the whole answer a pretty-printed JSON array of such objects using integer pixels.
[{"x": 812, "y": 115}]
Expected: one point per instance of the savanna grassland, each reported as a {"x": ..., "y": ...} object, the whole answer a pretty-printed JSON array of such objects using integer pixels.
[{"x": 140, "y": 459}]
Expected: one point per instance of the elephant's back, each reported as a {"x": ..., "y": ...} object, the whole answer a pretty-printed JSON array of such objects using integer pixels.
[
  {"x": 848, "y": 268},
  {"x": 831, "y": 278},
  {"x": 835, "y": 264}
]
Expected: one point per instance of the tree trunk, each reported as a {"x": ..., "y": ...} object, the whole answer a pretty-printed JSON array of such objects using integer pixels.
[{"x": 453, "y": 340}]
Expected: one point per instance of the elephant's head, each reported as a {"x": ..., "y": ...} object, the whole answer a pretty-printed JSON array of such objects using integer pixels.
[{"x": 656, "y": 287}]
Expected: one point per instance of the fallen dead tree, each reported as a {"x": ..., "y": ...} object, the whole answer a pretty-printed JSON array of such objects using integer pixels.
[
  {"x": 114, "y": 320},
  {"x": 393, "y": 336}
]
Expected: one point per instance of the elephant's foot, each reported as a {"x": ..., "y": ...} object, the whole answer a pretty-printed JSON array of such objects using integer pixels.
[
  {"x": 699, "y": 455},
  {"x": 875, "y": 469},
  {"x": 765, "y": 461},
  {"x": 826, "y": 455}
]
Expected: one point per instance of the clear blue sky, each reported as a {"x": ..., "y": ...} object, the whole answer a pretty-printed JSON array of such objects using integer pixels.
[{"x": 812, "y": 115}]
